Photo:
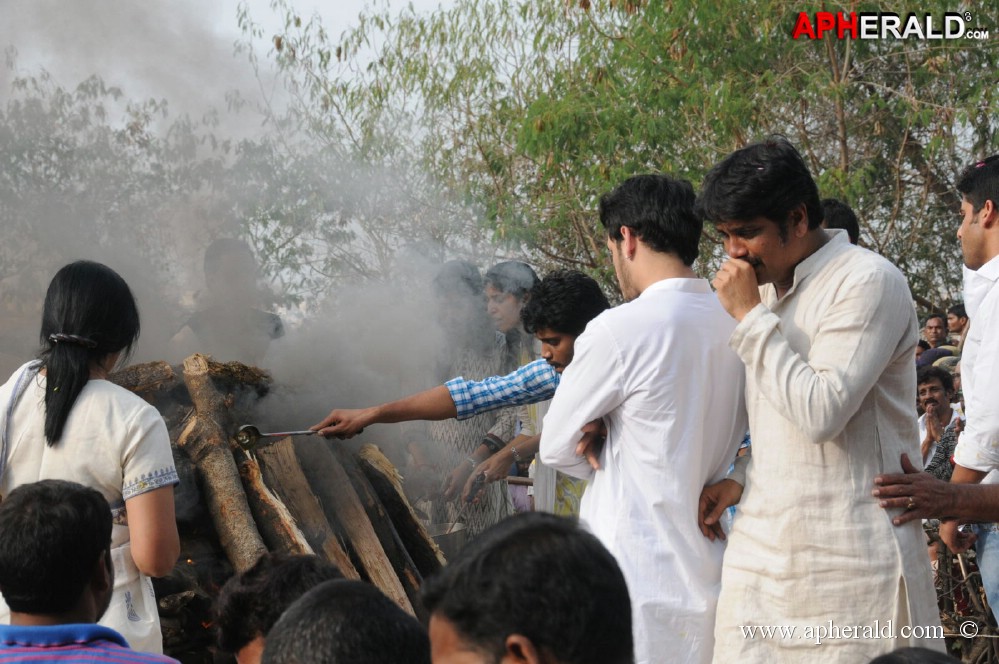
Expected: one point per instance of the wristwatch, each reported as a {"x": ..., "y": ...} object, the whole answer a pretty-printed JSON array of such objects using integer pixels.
[{"x": 516, "y": 455}]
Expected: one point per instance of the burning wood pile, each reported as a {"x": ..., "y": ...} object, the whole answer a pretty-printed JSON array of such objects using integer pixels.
[{"x": 295, "y": 495}]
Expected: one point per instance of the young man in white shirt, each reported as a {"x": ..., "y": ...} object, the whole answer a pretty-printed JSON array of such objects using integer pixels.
[
  {"x": 659, "y": 372},
  {"x": 977, "y": 452}
]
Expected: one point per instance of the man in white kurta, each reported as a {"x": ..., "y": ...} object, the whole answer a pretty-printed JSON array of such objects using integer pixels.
[
  {"x": 827, "y": 343},
  {"x": 659, "y": 373}
]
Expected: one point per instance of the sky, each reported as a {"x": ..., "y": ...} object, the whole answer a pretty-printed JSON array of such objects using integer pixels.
[{"x": 179, "y": 50}]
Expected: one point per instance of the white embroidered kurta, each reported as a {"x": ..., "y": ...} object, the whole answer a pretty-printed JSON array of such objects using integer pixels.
[
  {"x": 831, "y": 389},
  {"x": 113, "y": 442},
  {"x": 659, "y": 371}
]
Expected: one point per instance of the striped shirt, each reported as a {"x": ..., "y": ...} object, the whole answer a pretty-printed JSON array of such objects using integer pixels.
[
  {"x": 75, "y": 643},
  {"x": 530, "y": 383}
]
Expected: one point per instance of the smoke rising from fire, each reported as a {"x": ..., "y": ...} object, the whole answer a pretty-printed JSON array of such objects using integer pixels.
[{"x": 142, "y": 168}]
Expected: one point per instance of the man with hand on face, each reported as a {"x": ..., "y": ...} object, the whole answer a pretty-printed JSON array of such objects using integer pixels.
[
  {"x": 826, "y": 331},
  {"x": 658, "y": 371}
]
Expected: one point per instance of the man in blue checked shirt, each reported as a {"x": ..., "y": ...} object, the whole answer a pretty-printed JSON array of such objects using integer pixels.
[{"x": 557, "y": 311}]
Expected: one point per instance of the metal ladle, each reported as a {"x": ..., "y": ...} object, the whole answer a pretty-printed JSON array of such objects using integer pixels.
[{"x": 248, "y": 436}]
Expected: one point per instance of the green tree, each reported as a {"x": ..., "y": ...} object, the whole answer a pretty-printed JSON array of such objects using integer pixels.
[{"x": 531, "y": 109}]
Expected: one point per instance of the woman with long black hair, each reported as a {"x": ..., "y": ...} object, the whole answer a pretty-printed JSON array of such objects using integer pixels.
[{"x": 60, "y": 418}]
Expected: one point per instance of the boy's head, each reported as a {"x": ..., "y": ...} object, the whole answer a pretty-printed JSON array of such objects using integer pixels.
[{"x": 558, "y": 310}]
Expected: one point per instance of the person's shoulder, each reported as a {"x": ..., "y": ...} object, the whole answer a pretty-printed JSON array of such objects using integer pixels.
[
  {"x": 857, "y": 266},
  {"x": 124, "y": 401}
]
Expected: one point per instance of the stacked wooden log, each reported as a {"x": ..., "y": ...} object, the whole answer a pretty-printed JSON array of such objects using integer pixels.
[{"x": 293, "y": 496}]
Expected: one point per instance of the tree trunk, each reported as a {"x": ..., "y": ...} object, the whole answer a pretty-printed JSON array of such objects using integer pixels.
[
  {"x": 342, "y": 505},
  {"x": 402, "y": 563},
  {"x": 285, "y": 475},
  {"x": 148, "y": 377},
  {"x": 274, "y": 519},
  {"x": 206, "y": 447},
  {"x": 387, "y": 483}
]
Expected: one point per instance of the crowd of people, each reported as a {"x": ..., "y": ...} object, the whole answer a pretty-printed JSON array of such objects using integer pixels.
[{"x": 630, "y": 421}]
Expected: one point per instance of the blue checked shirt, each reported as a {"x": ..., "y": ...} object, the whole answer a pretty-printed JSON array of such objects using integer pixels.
[{"x": 530, "y": 383}]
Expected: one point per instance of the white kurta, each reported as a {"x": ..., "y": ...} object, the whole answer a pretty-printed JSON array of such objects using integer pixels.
[
  {"x": 113, "y": 442},
  {"x": 659, "y": 371},
  {"x": 830, "y": 387}
]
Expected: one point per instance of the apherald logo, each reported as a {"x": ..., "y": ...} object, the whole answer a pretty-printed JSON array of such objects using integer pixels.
[{"x": 883, "y": 25}]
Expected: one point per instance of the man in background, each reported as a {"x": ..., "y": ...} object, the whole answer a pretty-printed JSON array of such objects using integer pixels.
[{"x": 251, "y": 602}]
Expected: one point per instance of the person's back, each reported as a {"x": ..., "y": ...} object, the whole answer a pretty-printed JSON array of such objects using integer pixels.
[
  {"x": 659, "y": 372},
  {"x": 675, "y": 427},
  {"x": 57, "y": 575},
  {"x": 63, "y": 419}
]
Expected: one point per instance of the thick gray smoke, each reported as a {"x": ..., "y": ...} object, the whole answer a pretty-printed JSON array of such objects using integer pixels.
[{"x": 126, "y": 170}]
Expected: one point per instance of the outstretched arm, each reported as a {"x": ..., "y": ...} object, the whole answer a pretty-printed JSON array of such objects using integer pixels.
[{"x": 432, "y": 404}]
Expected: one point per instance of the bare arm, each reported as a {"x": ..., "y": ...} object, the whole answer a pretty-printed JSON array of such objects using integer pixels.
[
  {"x": 432, "y": 404},
  {"x": 152, "y": 529}
]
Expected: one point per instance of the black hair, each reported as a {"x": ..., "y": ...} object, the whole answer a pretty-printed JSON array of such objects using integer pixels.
[
  {"x": 936, "y": 314},
  {"x": 225, "y": 246},
  {"x": 52, "y": 535},
  {"x": 767, "y": 179},
  {"x": 512, "y": 277},
  {"x": 659, "y": 209},
  {"x": 543, "y": 577},
  {"x": 958, "y": 310},
  {"x": 980, "y": 182},
  {"x": 564, "y": 301},
  {"x": 346, "y": 622},
  {"x": 924, "y": 344},
  {"x": 915, "y": 656},
  {"x": 458, "y": 278},
  {"x": 250, "y": 603},
  {"x": 927, "y": 373},
  {"x": 837, "y": 214},
  {"x": 89, "y": 314}
]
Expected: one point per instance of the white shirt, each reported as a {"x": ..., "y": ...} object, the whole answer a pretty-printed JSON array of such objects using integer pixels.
[
  {"x": 978, "y": 447},
  {"x": 660, "y": 373}
]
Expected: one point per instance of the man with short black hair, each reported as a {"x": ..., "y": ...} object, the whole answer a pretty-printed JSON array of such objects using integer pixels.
[
  {"x": 935, "y": 330},
  {"x": 957, "y": 323},
  {"x": 827, "y": 333},
  {"x": 659, "y": 372},
  {"x": 251, "y": 602},
  {"x": 535, "y": 588},
  {"x": 56, "y": 576},
  {"x": 837, "y": 214},
  {"x": 346, "y": 622},
  {"x": 937, "y": 436}
]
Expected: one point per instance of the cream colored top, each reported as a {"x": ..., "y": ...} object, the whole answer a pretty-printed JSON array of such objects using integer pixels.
[{"x": 830, "y": 389}]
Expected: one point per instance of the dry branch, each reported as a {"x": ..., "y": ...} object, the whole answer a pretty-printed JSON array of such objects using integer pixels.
[
  {"x": 387, "y": 483},
  {"x": 284, "y": 475}
]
